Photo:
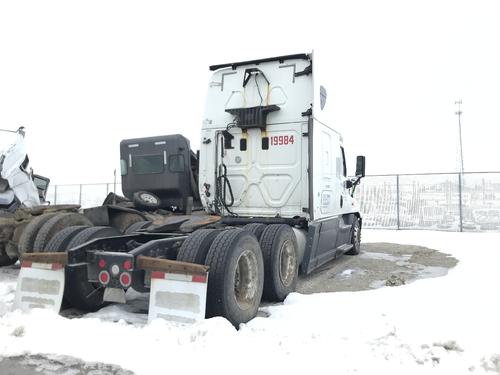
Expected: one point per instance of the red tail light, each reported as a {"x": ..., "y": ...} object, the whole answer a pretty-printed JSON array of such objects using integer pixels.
[
  {"x": 127, "y": 265},
  {"x": 104, "y": 277},
  {"x": 125, "y": 279},
  {"x": 102, "y": 263}
]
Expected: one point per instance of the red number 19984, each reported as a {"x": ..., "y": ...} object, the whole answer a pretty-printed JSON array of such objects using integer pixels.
[{"x": 279, "y": 140}]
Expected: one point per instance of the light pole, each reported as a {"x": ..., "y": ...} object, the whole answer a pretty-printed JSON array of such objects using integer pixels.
[
  {"x": 459, "y": 113},
  {"x": 460, "y": 175}
]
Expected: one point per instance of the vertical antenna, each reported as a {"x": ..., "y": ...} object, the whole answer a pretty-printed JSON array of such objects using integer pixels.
[{"x": 459, "y": 113}]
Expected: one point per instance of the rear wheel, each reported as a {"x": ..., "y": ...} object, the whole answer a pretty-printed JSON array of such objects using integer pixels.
[
  {"x": 195, "y": 248},
  {"x": 236, "y": 276},
  {"x": 255, "y": 228},
  {"x": 12, "y": 247},
  {"x": 78, "y": 291},
  {"x": 28, "y": 236},
  {"x": 56, "y": 224},
  {"x": 279, "y": 249},
  {"x": 355, "y": 238},
  {"x": 62, "y": 239}
]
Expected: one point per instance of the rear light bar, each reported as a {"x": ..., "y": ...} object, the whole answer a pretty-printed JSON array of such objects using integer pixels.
[{"x": 112, "y": 269}]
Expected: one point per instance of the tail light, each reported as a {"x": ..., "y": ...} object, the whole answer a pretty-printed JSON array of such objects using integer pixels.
[
  {"x": 102, "y": 263},
  {"x": 125, "y": 279},
  {"x": 104, "y": 277},
  {"x": 127, "y": 265}
]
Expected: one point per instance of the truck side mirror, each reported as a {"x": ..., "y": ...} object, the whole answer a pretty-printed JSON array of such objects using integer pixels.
[{"x": 360, "y": 166}]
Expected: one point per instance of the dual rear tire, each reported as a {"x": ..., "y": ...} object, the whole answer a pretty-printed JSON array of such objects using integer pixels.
[
  {"x": 243, "y": 269},
  {"x": 78, "y": 292},
  {"x": 236, "y": 271},
  {"x": 236, "y": 276},
  {"x": 281, "y": 263}
]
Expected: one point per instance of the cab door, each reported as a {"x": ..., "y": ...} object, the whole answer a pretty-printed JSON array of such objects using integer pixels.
[{"x": 327, "y": 173}]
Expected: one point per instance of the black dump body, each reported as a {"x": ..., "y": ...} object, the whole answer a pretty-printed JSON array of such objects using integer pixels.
[{"x": 163, "y": 165}]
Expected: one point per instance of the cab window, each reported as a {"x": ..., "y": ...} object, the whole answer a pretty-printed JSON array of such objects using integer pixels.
[
  {"x": 343, "y": 161},
  {"x": 147, "y": 164}
]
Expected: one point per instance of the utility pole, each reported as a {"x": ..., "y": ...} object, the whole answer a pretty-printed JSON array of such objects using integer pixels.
[
  {"x": 459, "y": 113},
  {"x": 460, "y": 175}
]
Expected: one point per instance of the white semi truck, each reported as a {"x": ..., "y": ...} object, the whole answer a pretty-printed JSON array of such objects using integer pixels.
[
  {"x": 212, "y": 233},
  {"x": 22, "y": 194}
]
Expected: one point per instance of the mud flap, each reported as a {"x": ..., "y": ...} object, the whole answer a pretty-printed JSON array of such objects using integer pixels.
[
  {"x": 40, "y": 285},
  {"x": 178, "y": 290},
  {"x": 178, "y": 298}
]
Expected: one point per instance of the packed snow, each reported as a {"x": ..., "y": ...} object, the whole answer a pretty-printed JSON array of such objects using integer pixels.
[{"x": 440, "y": 325}]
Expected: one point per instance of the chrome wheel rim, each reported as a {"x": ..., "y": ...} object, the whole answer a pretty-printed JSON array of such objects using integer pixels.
[
  {"x": 246, "y": 280},
  {"x": 287, "y": 263}
]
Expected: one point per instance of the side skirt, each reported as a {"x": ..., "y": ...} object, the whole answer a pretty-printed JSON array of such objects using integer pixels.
[{"x": 326, "y": 240}]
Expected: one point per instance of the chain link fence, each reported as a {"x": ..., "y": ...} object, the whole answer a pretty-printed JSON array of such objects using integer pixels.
[
  {"x": 447, "y": 201},
  {"x": 86, "y": 195}
]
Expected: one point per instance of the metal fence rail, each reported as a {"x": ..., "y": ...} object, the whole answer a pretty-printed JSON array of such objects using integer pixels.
[
  {"x": 86, "y": 195},
  {"x": 444, "y": 201},
  {"x": 438, "y": 201}
]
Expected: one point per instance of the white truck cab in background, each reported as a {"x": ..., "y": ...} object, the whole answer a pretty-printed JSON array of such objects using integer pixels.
[{"x": 16, "y": 179}]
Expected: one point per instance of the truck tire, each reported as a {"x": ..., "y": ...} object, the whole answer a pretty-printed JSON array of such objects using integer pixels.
[
  {"x": 355, "y": 238},
  {"x": 137, "y": 226},
  {"x": 78, "y": 291},
  {"x": 62, "y": 239},
  {"x": 56, "y": 224},
  {"x": 146, "y": 200},
  {"x": 195, "y": 248},
  {"x": 236, "y": 276},
  {"x": 5, "y": 260},
  {"x": 28, "y": 237},
  {"x": 281, "y": 265},
  {"x": 91, "y": 234},
  {"x": 256, "y": 229},
  {"x": 123, "y": 220},
  {"x": 12, "y": 247}
]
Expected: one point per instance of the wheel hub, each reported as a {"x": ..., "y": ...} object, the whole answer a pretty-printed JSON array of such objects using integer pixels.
[
  {"x": 287, "y": 262},
  {"x": 246, "y": 279}
]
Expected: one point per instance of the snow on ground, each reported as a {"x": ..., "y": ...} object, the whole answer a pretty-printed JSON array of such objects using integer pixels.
[{"x": 443, "y": 325}]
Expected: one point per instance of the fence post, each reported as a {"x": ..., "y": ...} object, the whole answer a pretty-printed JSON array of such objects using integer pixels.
[
  {"x": 80, "y": 196},
  {"x": 460, "y": 201},
  {"x": 397, "y": 198}
]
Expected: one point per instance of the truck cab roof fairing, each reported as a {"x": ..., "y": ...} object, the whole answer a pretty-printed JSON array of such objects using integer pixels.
[{"x": 234, "y": 65}]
